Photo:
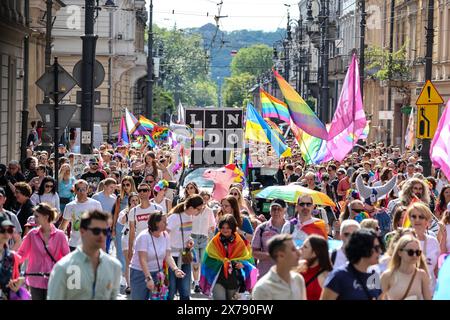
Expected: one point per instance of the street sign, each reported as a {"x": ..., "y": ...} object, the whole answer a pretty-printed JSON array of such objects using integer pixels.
[
  {"x": 429, "y": 95},
  {"x": 85, "y": 137},
  {"x": 99, "y": 73},
  {"x": 97, "y": 96},
  {"x": 427, "y": 120},
  {"x": 47, "y": 83},
  {"x": 47, "y": 112},
  {"x": 101, "y": 115},
  {"x": 386, "y": 115}
]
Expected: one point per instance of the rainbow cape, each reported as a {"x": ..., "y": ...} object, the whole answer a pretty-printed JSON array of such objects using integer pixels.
[
  {"x": 273, "y": 108},
  {"x": 300, "y": 112},
  {"x": 215, "y": 260},
  {"x": 317, "y": 227}
]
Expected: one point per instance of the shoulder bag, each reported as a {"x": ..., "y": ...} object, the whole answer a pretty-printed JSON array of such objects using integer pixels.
[{"x": 186, "y": 253}]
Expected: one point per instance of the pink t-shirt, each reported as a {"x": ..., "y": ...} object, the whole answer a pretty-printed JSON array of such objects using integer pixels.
[{"x": 32, "y": 248}]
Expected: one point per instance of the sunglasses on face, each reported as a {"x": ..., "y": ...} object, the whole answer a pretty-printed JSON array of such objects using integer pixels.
[
  {"x": 357, "y": 210},
  {"x": 234, "y": 194},
  {"x": 413, "y": 216},
  {"x": 48, "y": 186},
  {"x": 143, "y": 190},
  {"x": 411, "y": 252},
  {"x": 81, "y": 189},
  {"x": 97, "y": 231},
  {"x": 150, "y": 181},
  {"x": 190, "y": 188},
  {"x": 126, "y": 185},
  {"x": 305, "y": 204},
  {"x": 9, "y": 230},
  {"x": 346, "y": 234}
]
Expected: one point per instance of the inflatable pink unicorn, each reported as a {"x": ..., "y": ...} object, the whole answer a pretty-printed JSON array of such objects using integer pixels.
[{"x": 222, "y": 178}]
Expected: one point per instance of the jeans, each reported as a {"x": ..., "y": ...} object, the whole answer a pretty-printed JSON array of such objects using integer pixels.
[
  {"x": 139, "y": 290},
  {"x": 220, "y": 293},
  {"x": 38, "y": 293},
  {"x": 182, "y": 285},
  {"x": 118, "y": 243}
]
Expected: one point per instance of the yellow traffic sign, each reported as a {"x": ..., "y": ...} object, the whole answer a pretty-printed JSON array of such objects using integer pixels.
[
  {"x": 429, "y": 95},
  {"x": 427, "y": 120}
]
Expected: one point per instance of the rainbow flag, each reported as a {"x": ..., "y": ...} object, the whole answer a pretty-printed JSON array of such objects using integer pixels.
[
  {"x": 157, "y": 132},
  {"x": 134, "y": 126},
  {"x": 256, "y": 129},
  {"x": 314, "y": 150},
  {"x": 216, "y": 259},
  {"x": 300, "y": 112},
  {"x": 406, "y": 221},
  {"x": 146, "y": 123},
  {"x": 123, "y": 134},
  {"x": 272, "y": 107},
  {"x": 366, "y": 131}
]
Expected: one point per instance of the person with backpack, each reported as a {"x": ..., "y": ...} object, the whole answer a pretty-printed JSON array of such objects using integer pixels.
[
  {"x": 43, "y": 247},
  {"x": 305, "y": 224},
  {"x": 264, "y": 232},
  {"x": 337, "y": 256}
]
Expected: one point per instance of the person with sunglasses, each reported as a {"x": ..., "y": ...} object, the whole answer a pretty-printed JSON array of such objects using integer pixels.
[
  {"x": 43, "y": 247},
  {"x": 127, "y": 188},
  {"x": 352, "y": 281},
  {"x": 95, "y": 273},
  {"x": 47, "y": 193},
  {"x": 264, "y": 232},
  {"x": 305, "y": 224},
  {"x": 74, "y": 210},
  {"x": 139, "y": 215},
  {"x": 10, "y": 280},
  {"x": 23, "y": 193},
  {"x": 16, "y": 239},
  {"x": 407, "y": 275},
  {"x": 94, "y": 175},
  {"x": 420, "y": 216},
  {"x": 179, "y": 226}
]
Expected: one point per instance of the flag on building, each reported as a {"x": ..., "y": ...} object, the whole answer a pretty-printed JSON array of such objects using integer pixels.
[{"x": 300, "y": 112}]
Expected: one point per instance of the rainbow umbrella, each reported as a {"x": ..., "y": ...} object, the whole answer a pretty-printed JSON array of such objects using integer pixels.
[{"x": 291, "y": 193}]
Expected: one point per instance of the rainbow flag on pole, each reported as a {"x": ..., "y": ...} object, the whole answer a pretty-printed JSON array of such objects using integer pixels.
[
  {"x": 300, "y": 112},
  {"x": 273, "y": 108},
  {"x": 256, "y": 129}
]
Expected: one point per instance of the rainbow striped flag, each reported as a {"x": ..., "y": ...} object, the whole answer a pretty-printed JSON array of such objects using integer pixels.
[
  {"x": 273, "y": 108},
  {"x": 157, "y": 132},
  {"x": 300, "y": 112},
  {"x": 216, "y": 259},
  {"x": 256, "y": 129}
]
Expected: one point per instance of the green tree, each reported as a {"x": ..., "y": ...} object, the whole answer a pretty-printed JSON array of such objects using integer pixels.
[
  {"x": 254, "y": 60},
  {"x": 162, "y": 101},
  {"x": 236, "y": 88},
  {"x": 205, "y": 93},
  {"x": 383, "y": 65}
]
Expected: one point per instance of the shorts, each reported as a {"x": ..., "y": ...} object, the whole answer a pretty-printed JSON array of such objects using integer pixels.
[
  {"x": 124, "y": 239},
  {"x": 200, "y": 242}
]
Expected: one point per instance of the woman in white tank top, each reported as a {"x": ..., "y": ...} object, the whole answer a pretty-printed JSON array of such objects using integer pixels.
[
  {"x": 160, "y": 199},
  {"x": 407, "y": 275}
]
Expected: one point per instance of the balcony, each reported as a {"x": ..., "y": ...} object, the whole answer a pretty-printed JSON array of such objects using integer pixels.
[
  {"x": 338, "y": 65},
  {"x": 12, "y": 12}
]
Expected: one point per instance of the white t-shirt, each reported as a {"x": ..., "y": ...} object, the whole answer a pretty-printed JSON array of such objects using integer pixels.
[
  {"x": 141, "y": 216},
  {"x": 297, "y": 234},
  {"x": 144, "y": 243},
  {"x": 174, "y": 225},
  {"x": 341, "y": 259},
  {"x": 73, "y": 212},
  {"x": 202, "y": 223},
  {"x": 432, "y": 252},
  {"x": 162, "y": 204}
]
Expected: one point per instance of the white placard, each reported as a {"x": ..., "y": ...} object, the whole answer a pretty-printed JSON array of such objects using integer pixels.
[
  {"x": 386, "y": 115},
  {"x": 85, "y": 137}
]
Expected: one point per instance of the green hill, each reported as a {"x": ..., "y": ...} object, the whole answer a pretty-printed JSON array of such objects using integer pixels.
[{"x": 221, "y": 44}]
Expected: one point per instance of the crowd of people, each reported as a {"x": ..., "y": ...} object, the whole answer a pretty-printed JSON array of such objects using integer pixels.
[{"x": 121, "y": 227}]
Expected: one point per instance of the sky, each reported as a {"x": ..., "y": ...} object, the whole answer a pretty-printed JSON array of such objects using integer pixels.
[{"x": 266, "y": 15}]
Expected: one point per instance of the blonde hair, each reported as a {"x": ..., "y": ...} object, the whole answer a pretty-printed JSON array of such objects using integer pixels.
[
  {"x": 395, "y": 261},
  {"x": 422, "y": 208},
  {"x": 241, "y": 199},
  {"x": 369, "y": 224}
]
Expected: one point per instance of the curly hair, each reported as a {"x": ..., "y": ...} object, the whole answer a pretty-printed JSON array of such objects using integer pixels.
[
  {"x": 360, "y": 245},
  {"x": 406, "y": 194}
]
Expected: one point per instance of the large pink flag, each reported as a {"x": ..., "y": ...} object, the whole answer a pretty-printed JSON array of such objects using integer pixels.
[
  {"x": 440, "y": 145},
  {"x": 350, "y": 107}
]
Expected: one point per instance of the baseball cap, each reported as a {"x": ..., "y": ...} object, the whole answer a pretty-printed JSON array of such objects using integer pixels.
[
  {"x": 278, "y": 202},
  {"x": 5, "y": 222},
  {"x": 31, "y": 222},
  {"x": 342, "y": 170},
  {"x": 93, "y": 160},
  {"x": 61, "y": 145}
]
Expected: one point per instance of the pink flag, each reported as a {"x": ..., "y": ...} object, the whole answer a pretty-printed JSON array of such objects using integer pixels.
[
  {"x": 343, "y": 143},
  {"x": 440, "y": 145},
  {"x": 350, "y": 107}
]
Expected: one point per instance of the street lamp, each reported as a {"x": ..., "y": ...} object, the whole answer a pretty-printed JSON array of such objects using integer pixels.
[{"x": 89, "y": 40}]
